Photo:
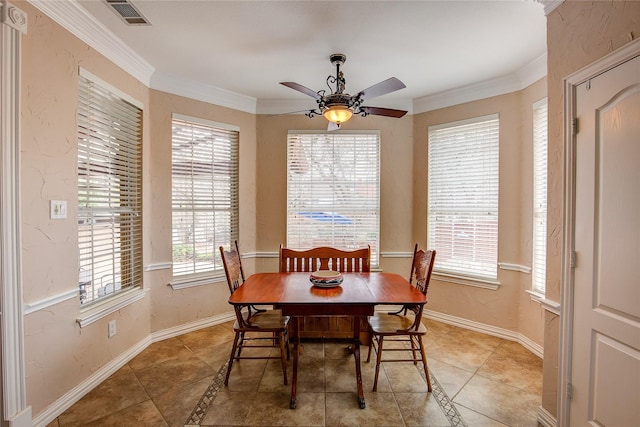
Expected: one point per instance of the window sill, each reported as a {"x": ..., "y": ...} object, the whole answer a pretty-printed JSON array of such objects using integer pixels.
[
  {"x": 467, "y": 281},
  {"x": 547, "y": 304},
  {"x": 191, "y": 281},
  {"x": 104, "y": 308}
]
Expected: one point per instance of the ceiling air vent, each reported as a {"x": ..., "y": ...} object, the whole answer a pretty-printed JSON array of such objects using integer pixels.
[{"x": 128, "y": 12}]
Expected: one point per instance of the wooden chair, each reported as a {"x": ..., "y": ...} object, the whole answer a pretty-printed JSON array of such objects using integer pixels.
[
  {"x": 266, "y": 328},
  {"x": 325, "y": 258},
  {"x": 404, "y": 325}
]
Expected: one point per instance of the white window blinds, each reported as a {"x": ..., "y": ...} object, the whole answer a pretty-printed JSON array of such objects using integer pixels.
[
  {"x": 333, "y": 191},
  {"x": 204, "y": 193},
  {"x": 109, "y": 192},
  {"x": 539, "y": 195},
  {"x": 463, "y": 197}
]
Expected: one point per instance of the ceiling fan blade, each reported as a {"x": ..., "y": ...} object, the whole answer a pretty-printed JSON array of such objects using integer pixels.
[
  {"x": 291, "y": 112},
  {"x": 389, "y": 112},
  {"x": 332, "y": 126},
  {"x": 387, "y": 86},
  {"x": 303, "y": 89}
]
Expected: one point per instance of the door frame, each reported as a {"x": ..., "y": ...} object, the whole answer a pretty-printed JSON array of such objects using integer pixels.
[{"x": 600, "y": 66}]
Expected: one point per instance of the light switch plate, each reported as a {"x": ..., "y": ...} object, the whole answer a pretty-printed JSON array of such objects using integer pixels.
[{"x": 58, "y": 209}]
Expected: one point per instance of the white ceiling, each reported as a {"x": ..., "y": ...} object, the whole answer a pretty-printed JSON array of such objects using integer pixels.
[{"x": 439, "y": 49}]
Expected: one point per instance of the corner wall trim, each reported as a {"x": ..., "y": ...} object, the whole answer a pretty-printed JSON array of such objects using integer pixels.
[
  {"x": 514, "y": 267},
  {"x": 261, "y": 255},
  {"x": 396, "y": 254},
  {"x": 192, "y": 283},
  {"x": 158, "y": 266},
  {"x": 32, "y": 307}
]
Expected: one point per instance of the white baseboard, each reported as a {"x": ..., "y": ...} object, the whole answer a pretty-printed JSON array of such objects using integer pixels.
[
  {"x": 75, "y": 394},
  {"x": 545, "y": 418},
  {"x": 79, "y": 391},
  {"x": 192, "y": 326},
  {"x": 495, "y": 331}
]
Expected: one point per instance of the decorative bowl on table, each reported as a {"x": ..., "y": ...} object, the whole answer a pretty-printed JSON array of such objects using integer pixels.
[{"x": 326, "y": 278}]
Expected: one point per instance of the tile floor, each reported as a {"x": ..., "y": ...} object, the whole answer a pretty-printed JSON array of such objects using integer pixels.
[{"x": 489, "y": 381}]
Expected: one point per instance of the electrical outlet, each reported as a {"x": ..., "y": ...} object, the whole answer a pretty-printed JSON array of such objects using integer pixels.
[{"x": 112, "y": 328}]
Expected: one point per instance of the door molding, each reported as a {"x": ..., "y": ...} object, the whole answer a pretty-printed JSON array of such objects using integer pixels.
[
  {"x": 15, "y": 412},
  {"x": 600, "y": 66}
]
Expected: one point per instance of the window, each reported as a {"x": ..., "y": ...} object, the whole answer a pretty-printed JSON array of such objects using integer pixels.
[
  {"x": 539, "y": 195},
  {"x": 462, "y": 205},
  {"x": 333, "y": 191},
  {"x": 204, "y": 181},
  {"x": 109, "y": 192}
]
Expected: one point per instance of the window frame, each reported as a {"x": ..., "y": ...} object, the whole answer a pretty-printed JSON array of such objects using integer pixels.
[
  {"x": 204, "y": 274},
  {"x": 476, "y": 271},
  {"x": 350, "y": 225},
  {"x": 540, "y": 188},
  {"x": 108, "y": 154}
]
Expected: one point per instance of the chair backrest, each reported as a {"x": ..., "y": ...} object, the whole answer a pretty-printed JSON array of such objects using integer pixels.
[
  {"x": 235, "y": 277},
  {"x": 325, "y": 258},
  {"x": 232, "y": 266},
  {"x": 421, "y": 268}
]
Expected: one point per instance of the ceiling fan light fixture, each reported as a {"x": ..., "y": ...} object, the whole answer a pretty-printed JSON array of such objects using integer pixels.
[{"x": 338, "y": 114}]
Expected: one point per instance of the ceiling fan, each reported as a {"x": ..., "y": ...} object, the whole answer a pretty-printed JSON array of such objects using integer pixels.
[{"x": 338, "y": 106}]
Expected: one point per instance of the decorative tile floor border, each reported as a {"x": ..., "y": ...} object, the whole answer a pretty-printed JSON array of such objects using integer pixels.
[
  {"x": 447, "y": 406},
  {"x": 200, "y": 411}
]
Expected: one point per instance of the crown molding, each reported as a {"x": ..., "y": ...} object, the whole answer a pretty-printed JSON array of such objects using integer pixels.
[
  {"x": 550, "y": 5},
  {"x": 202, "y": 92},
  {"x": 75, "y": 19},
  {"x": 519, "y": 80},
  {"x": 533, "y": 71},
  {"x": 467, "y": 93}
]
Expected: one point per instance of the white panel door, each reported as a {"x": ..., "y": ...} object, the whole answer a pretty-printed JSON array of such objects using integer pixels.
[{"x": 605, "y": 360}]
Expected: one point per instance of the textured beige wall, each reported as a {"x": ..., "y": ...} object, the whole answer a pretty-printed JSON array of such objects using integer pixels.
[
  {"x": 395, "y": 188},
  {"x": 59, "y": 355},
  {"x": 578, "y": 33},
  {"x": 509, "y": 307},
  {"x": 172, "y": 308}
]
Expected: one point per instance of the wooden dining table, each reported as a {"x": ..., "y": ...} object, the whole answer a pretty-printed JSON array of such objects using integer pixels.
[{"x": 357, "y": 296}]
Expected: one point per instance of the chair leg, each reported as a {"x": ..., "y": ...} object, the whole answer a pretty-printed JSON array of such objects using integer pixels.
[
  {"x": 370, "y": 347},
  {"x": 282, "y": 357},
  {"x": 378, "y": 361},
  {"x": 233, "y": 352},
  {"x": 413, "y": 348},
  {"x": 240, "y": 345},
  {"x": 286, "y": 343},
  {"x": 424, "y": 362}
]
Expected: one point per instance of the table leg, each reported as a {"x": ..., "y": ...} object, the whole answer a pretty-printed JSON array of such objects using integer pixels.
[
  {"x": 296, "y": 350},
  {"x": 356, "y": 353}
]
